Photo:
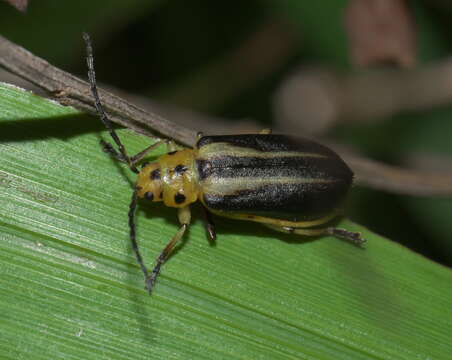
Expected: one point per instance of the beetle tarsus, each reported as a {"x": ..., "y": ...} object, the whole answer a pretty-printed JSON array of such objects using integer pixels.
[
  {"x": 353, "y": 237},
  {"x": 150, "y": 280}
]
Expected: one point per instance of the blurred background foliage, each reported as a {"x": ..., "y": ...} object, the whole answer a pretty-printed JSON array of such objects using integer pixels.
[{"x": 181, "y": 53}]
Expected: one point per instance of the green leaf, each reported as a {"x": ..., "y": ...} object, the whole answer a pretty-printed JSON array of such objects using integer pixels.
[{"x": 71, "y": 289}]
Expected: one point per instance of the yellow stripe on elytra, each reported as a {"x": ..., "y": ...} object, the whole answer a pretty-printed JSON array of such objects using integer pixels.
[
  {"x": 222, "y": 149},
  {"x": 229, "y": 186}
]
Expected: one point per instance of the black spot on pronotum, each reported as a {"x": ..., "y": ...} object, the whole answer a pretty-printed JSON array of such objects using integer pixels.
[
  {"x": 143, "y": 165},
  {"x": 179, "y": 198},
  {"x": 180, "y": 169},
  {"x": 155, "y": 174},
  {"x": 149, "y": 196},
  {"x": 172, "y": 152}
]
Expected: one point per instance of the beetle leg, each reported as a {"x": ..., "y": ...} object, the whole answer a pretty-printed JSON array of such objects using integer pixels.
[
  {"x": 210, "y": 226},
  {"x": 138, "y": 157},
  {"x": 108, "y": 148},
  {"x": 170, "y": 144},
  {"x": 184, "y": 216},
  {"x": 277, "y": 222},
  {"x": 353, "y": 237},
  {"x": 298, "y": 231},
  {"x": 266, "y": 131}
]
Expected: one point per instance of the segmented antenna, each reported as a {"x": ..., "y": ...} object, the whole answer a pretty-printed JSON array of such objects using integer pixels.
[
  {"x": 132, "y": 208},
  {"x": 121, "y": 155},
  {"x": 100, "y": 110}
]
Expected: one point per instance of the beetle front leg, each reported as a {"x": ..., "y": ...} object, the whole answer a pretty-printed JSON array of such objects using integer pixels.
[
  {"x": 108, "y": 148},
  {"x": 138, "y": 157},
  {"x": 184, "y": 216},
  {"x": 170, "y": 144}
]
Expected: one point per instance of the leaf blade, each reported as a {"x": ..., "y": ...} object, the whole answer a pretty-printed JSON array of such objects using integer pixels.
[{"x": 71, "y": 287}]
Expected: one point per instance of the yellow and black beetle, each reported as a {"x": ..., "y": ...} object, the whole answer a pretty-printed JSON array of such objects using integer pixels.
[{"x": 289, "y": 184}]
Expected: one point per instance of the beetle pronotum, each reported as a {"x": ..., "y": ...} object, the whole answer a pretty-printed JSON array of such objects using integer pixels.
[{"x": 288, "y": 184}]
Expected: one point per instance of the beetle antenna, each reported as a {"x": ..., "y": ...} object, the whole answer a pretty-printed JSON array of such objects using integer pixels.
[
  {"x": 133, "y": 239},
  {"x": 100, "y": 109}
]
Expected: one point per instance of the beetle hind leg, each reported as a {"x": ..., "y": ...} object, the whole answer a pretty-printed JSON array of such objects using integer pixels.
[{"x": 353, "y": 237}]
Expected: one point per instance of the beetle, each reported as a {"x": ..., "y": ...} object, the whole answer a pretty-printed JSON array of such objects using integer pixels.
[{"x": 288, "y": 184}]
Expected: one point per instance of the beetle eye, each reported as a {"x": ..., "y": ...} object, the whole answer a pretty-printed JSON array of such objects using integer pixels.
[
  {"x": 179, "y": 198},
  {"x": 155, "y": 174},
  {"x": 149, "y": 196}
]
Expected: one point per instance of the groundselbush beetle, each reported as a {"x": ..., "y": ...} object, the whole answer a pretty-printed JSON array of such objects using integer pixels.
[{"x": 288, "y": 184}]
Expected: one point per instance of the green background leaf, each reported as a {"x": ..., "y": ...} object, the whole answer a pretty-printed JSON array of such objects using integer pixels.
[{"x": 71, "y": 289}]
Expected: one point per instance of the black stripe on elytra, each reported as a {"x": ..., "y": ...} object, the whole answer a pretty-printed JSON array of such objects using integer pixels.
[
  {"x": 268, "y": 142},
  {"x": 296, "y": 167},
  {"x": 292, "y": 202}
]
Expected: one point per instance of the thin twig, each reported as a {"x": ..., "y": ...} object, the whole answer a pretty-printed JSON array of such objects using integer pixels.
[
  {"x": 315, "y": 99},
  {"x": 69, "y": 90},
  {"x": 376, "y": 175}
]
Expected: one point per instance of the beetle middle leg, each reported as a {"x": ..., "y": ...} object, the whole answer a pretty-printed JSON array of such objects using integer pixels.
[
  {"x": 210, "y": 226},
  {"x": 184, "y": 216}
]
